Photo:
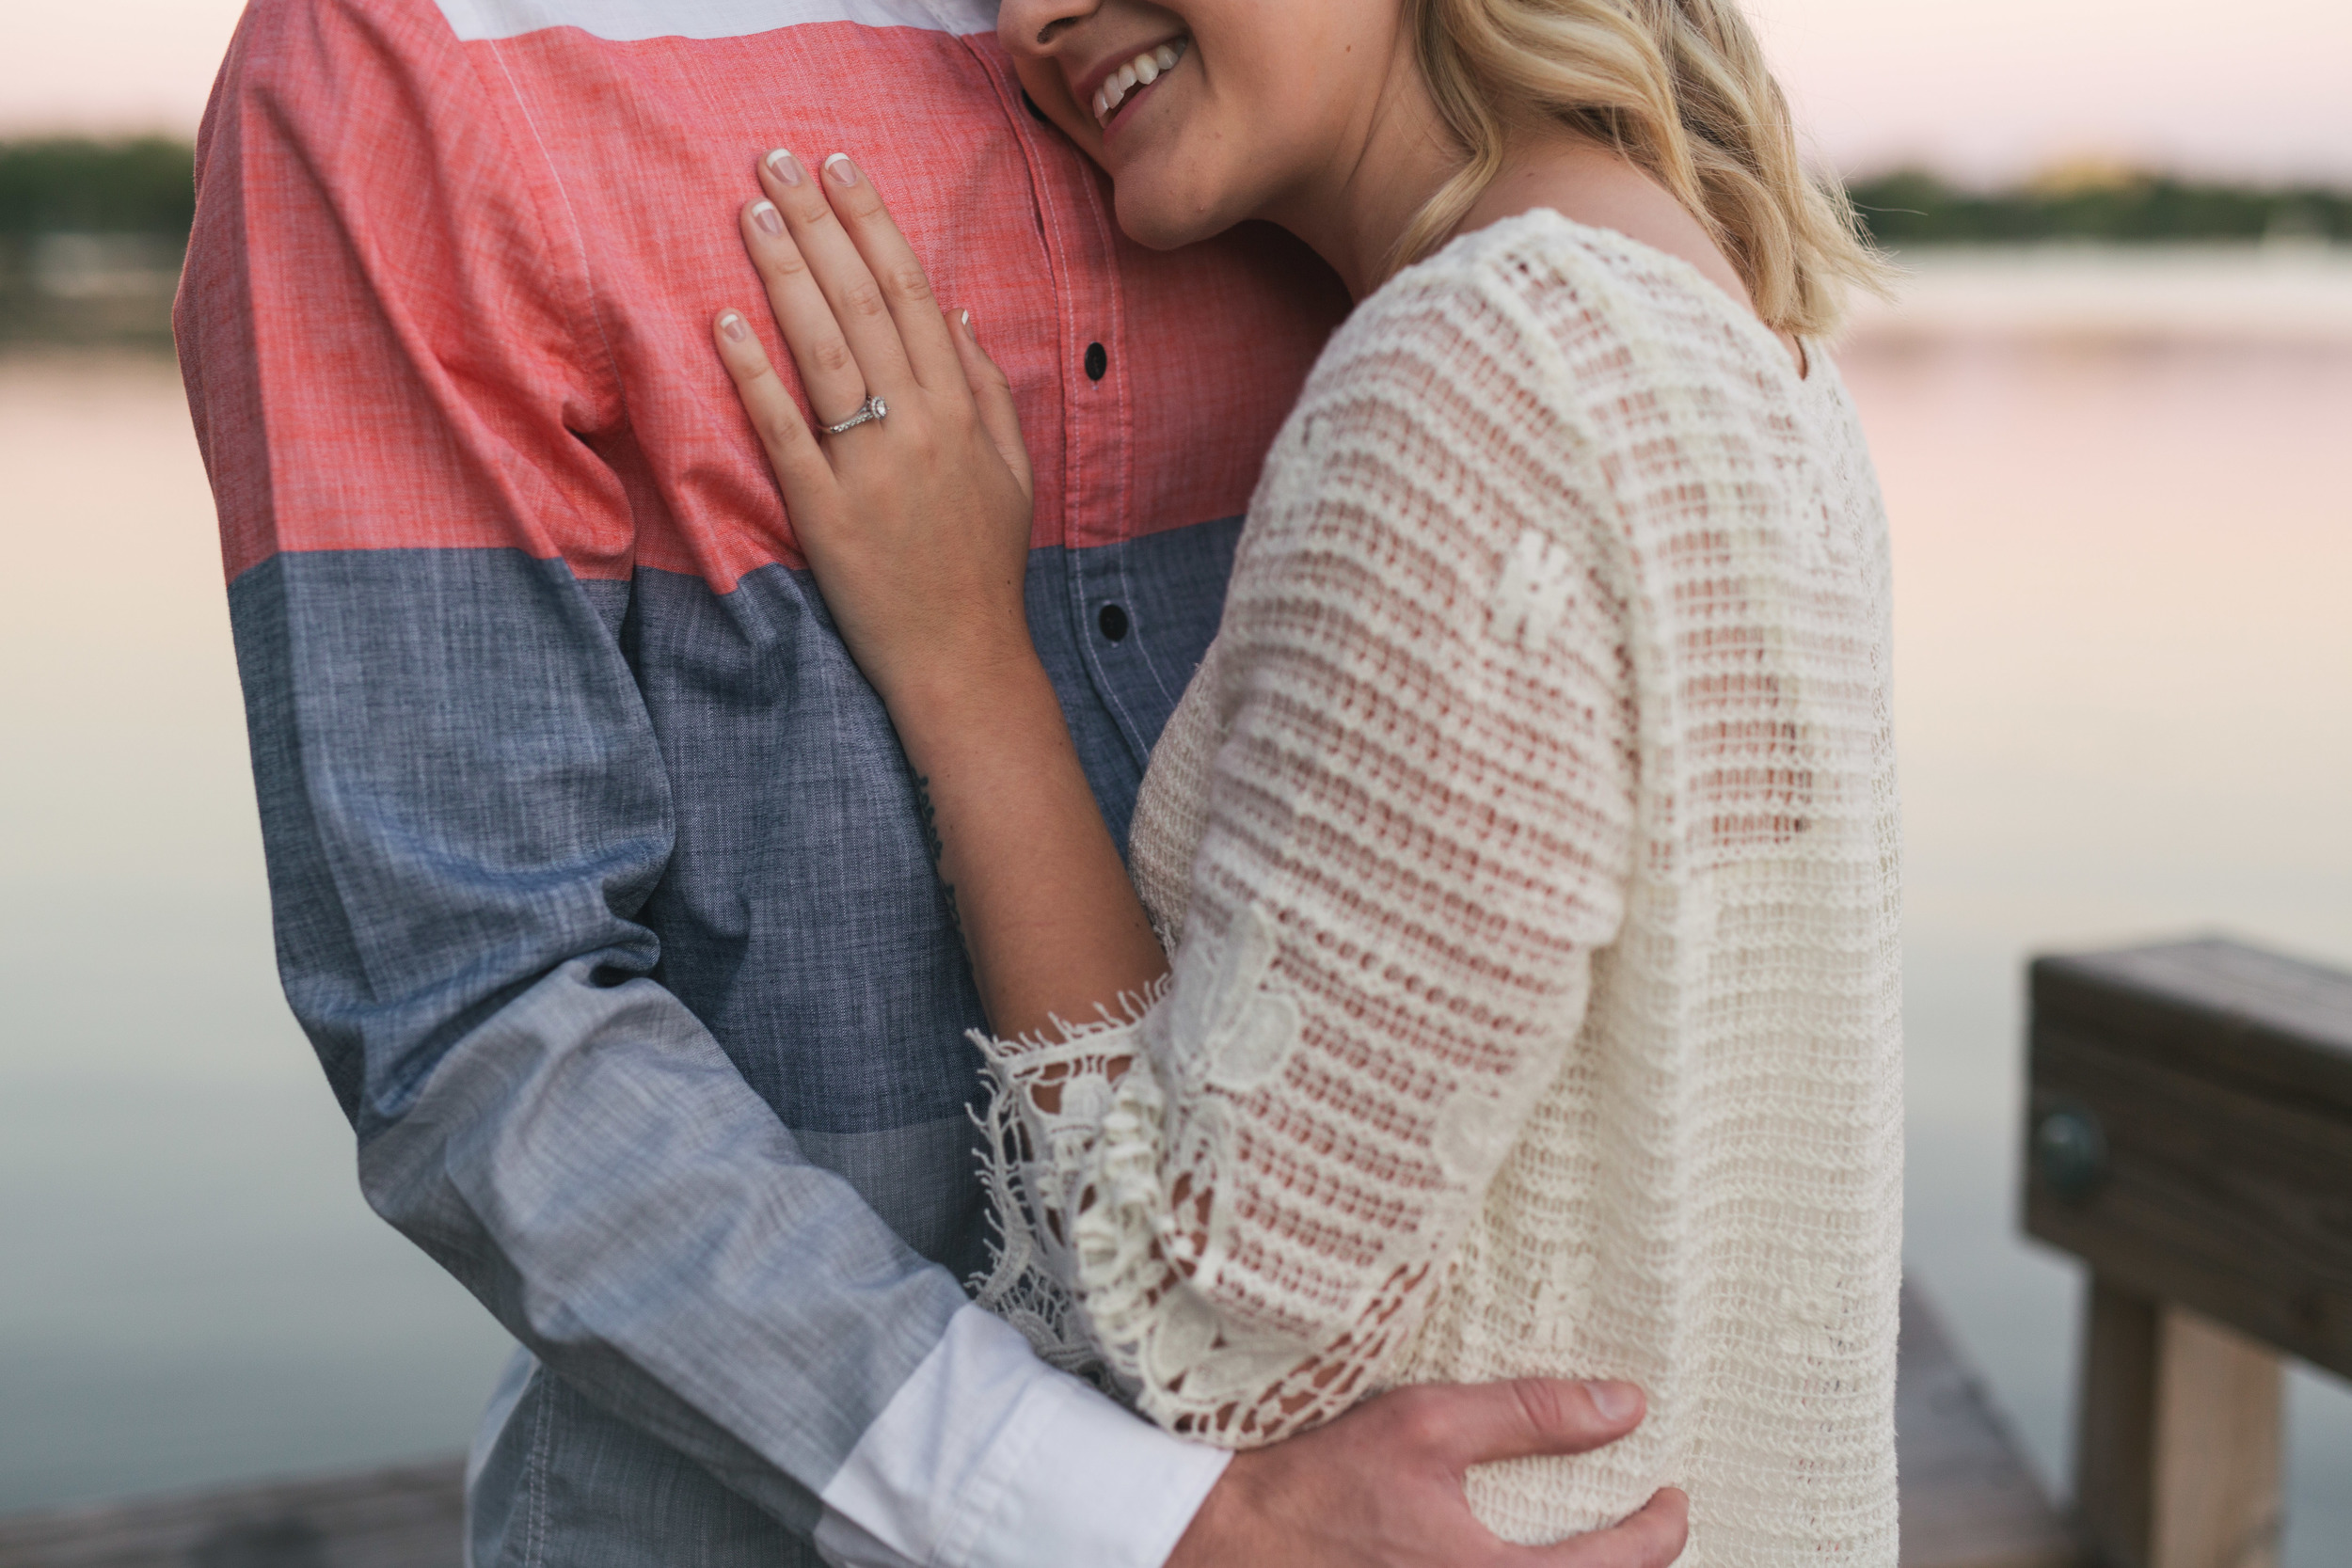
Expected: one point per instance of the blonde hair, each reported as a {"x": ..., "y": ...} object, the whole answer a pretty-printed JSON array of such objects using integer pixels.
[{"x": 1681, "y": 87}]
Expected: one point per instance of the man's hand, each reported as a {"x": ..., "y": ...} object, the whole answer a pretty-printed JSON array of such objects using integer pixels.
[{"x": 1381, "y": 1487}]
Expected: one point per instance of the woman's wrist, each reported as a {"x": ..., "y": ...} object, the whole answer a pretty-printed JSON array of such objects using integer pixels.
[
  {"x": 993, "y": 692},
  {"x": 1031, "y": 874}
]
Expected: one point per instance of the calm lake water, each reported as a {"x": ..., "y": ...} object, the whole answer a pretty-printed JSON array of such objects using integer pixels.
[{"x": 2124, "y": 555}]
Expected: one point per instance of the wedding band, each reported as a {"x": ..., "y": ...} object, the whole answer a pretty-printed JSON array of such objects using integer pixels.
[{"x": 872, "y": 408}]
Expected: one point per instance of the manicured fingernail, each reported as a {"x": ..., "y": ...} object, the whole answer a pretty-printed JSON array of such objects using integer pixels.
[
  {"x": 767, "y": 219},
  {"x": 734, "y": 326},
  {"x": 785, "y": 168},
  {"x": 1615, "y": 1401},
  {"x": 965, "y": 317},
  {"x": 843, "y": 171}
]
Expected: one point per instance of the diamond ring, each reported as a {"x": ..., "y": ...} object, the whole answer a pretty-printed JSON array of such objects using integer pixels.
[{"x": 872, "y": 408}]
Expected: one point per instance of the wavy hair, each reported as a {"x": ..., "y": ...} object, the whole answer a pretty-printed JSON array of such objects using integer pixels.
[{"x": 1681, "y": 87}]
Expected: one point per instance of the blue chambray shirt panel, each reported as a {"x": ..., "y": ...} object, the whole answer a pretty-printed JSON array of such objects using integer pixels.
[
  {"x": 465, "y": 815},
  {"x": 555, "y": 1481},
  {"x": 800, "y": 919},
  {"x": 1164, "y": 593},
  {"x": 410, "y": 903}
]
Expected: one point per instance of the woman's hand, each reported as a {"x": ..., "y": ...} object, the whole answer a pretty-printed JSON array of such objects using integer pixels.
[
  {"x": 916, "y": 524},
  {"x": 917, "y": 527}
]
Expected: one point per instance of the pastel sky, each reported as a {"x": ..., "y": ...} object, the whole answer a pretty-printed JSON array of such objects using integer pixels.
[{"x": 1986, "y": 88}]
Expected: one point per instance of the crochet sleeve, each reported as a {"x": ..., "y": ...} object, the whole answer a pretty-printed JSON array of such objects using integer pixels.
[{"x": 1238, "y": 1196}]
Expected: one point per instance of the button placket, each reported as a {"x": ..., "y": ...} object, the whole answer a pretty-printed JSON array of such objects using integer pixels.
[{"x": 1114, "y": 639}]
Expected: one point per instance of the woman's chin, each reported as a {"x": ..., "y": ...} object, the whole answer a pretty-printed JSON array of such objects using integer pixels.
[{"x": 1158, "y": 221}]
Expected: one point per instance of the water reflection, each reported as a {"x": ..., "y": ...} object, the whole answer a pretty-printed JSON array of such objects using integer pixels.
[
  {"x": 2121, "y": 638},
  {"x": 2121, "y": 646},
  {"x": 193, "y": 1290}
]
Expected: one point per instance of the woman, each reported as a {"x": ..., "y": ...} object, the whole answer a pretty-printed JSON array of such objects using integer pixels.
[{"x": 1526, "y": 843}]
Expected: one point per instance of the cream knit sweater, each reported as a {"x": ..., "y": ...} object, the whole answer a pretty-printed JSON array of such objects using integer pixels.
[{"x": 1527, "y": 847}]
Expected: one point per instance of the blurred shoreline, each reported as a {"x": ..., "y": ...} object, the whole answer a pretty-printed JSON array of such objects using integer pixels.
[
  {"x": 92, "y": 233},
  {"x": 2276, "y": 294},
  {"x": 88, "y": 290},
  {"x": 81, "y": 291}
]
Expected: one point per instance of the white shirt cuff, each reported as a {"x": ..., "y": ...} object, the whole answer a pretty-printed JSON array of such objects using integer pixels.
[{"x": 989, "y": 1458}]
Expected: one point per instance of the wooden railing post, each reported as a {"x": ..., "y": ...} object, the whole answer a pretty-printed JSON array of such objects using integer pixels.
[
  {"x": 2115, "y": 1428},
  {"x": 2189, "y": 1137},
  {"x": 2177, "y": 1460}
]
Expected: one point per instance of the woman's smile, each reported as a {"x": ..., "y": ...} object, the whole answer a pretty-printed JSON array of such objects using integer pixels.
[
  {"x": 1117, "y": 85},
  {"x": 1274, "y": 104}
]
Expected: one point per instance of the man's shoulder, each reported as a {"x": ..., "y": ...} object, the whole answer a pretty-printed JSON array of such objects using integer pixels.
[
  {"x": 334, "y": 61},
  {"x": 606, "y": 21},
  {"x": 314, "y": 23},
  {"x": 634, "y": 21}
]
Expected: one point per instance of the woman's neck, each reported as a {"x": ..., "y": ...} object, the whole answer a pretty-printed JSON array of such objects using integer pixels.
[
  {"x": 1354, "y": 210},
  {"x": 1603, "y": 188},
  {"x": 1392, "y": 154}
]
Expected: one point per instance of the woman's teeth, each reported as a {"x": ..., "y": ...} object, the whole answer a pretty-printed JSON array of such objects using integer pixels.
[{"x": 1142, "y": 71}]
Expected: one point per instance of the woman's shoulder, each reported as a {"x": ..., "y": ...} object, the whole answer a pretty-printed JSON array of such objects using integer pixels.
[
  {"x": 1538, "y": 327},
  {"x": 1445, "y": 409},
  {"x": 1541, "y": 374},
  {"x": 1538, "y": 309}
]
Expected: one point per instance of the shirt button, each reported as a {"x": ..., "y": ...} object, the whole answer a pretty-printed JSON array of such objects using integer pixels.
[
  {"x": 1113, "y": 621},
  {"x": 1097, "y": 361}
]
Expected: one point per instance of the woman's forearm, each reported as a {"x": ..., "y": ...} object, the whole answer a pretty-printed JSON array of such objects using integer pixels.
[{"x": 1046, "y": 911}]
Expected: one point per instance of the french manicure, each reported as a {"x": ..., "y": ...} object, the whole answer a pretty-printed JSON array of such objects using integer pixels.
[
  {"x": 767, "y": 219},
  {"x": 965, "y": 317},
  {"x": 843, "y": 171},
  {"x": 733, "y": 326},
  {"x": 785, "y": 168},
  {"x": 1615, "y": 1401}
]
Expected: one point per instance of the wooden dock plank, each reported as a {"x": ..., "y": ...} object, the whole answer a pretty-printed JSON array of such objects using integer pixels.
[
  {"x": 1968, "y": 1499},
  {"x": 410, "y": 1517}
]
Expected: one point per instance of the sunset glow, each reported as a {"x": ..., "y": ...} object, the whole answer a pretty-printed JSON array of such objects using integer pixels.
[{"x": 1987, "y": 90}]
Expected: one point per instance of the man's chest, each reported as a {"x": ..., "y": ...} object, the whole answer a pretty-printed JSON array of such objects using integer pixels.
[{"x": 1149, "y": 384}]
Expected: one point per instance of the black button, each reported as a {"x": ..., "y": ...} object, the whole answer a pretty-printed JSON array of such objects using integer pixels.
[
  {"x": 1097, "y": 361},
  {"x": 1113, "y": 621}
]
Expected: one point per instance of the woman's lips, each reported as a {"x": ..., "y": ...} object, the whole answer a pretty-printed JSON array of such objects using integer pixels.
[{"x": 1121, "y": 87}]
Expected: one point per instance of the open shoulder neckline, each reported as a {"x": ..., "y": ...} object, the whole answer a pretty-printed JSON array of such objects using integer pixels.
[{"x": 1598, "y": 242}]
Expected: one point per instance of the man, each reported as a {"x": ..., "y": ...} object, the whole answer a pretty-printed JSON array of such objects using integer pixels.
[{"x": 599, "y": 880}]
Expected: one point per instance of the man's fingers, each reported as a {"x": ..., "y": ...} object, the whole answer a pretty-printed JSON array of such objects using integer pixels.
[
  {"x": 792, "y": 450},
  {"x": 992, "y": 394},
  {"x": 1652, "y": 1538},
  {"x": 1479, "y": 1423}
]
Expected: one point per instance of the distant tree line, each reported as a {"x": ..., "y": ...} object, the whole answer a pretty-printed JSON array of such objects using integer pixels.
[
  {"x": 147, "y": 186},
  {"x": 1912, "y": 207},
  {"x": 71, "y": 184}
]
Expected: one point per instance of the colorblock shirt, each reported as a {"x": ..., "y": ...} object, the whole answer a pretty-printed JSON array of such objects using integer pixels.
[{"x": 598, "y": 879}]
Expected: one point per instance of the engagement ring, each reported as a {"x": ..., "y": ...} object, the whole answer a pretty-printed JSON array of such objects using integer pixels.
[{"x": 872, "y": 408}]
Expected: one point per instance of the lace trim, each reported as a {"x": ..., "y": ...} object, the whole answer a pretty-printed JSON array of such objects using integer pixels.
[
  {"x": 1028, "y": 1281},
  {"x": 1105, "y": 1259}
]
